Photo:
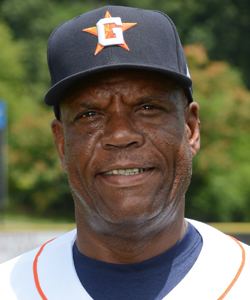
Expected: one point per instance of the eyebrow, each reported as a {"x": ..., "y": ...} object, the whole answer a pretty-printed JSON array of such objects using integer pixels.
[
  {"x": 87, "y": 104},
  {"x": 94, "y": 103},
  {"x": 162, "y": 97},
  {"x": 90, "y": 103}
]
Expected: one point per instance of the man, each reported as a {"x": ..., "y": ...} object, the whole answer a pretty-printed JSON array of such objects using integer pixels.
[{"x": 126, "y": 130}]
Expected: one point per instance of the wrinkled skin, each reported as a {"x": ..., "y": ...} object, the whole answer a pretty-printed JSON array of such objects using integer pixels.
[{"x": 127, "y": 120}]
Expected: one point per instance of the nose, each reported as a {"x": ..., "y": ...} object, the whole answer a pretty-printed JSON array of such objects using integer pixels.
[{"x": 120, "y": 132}]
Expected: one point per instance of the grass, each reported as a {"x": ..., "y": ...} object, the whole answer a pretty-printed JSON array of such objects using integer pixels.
[
  {"x": 233, "y": 228},
  {"x": 17, "y": 223}
]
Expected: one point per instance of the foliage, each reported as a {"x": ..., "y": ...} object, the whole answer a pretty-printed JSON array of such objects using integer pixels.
[
  {"x": 221, "y": 26},
  {"x": 34, "y": 171},
  {"x": 220, "y": 189}
]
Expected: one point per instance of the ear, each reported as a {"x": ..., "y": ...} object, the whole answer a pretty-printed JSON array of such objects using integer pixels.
[
  {"x": 58, "y": 134},
  {"x": 193, "y": 127}
]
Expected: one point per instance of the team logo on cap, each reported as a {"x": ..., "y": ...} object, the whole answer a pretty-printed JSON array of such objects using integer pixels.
[{"x": 109, "y": 31}]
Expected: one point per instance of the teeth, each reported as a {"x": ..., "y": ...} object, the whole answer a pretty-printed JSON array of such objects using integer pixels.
[{"x": 125, "y": 172}]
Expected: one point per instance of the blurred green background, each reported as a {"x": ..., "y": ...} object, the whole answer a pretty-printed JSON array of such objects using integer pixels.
[{"x": 216, "y": 39}]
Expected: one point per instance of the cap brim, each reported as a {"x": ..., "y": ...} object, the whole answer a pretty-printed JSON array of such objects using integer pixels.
[{"x": 56, "y": 93}]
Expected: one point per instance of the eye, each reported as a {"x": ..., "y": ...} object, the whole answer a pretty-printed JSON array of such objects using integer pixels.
[
  {"x": 149, "y": 106},
  {"x": 152, "y": 109},
  {"x": 88, "y": 114}
]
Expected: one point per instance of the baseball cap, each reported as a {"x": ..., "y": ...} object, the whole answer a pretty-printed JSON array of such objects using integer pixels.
[{"x": 114, "y": 38}]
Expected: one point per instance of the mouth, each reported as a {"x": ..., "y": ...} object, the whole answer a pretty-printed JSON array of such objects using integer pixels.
[
  {"x": 126, "y": 177},
  {"x": 126, "y": 172}
]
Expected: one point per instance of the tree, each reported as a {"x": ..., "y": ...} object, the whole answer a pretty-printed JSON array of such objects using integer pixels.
[
  {"x": 220, "y": 189},
  {"x": 34, "y": 170},
  {"x": 221, "y": 26}
]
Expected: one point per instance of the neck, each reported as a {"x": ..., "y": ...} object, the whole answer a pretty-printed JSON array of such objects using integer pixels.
[{"x": 120, "y": 249}]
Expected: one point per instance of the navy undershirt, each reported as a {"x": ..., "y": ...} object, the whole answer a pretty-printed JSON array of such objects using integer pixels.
[{"x": 148, "y": 280}]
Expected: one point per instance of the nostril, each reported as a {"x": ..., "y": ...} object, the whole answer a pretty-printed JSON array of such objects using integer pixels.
[
  {"x": 123, "y": 139},
  {"x": 125, "y": 145}
]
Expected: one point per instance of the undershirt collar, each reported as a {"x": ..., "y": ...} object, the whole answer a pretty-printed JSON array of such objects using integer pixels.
[{"x": 153, "y": 278}]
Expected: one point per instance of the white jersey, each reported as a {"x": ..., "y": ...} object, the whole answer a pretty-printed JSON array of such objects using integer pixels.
[{"x": 222, "y": 271}]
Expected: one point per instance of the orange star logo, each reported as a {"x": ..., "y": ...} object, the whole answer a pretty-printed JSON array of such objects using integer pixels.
[{"x": 109, "y": 31}]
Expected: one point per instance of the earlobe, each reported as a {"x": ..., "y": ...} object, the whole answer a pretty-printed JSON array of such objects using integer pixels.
[
  {"x": 193, "y": 127},
  {"x": 58, "y": 134}
]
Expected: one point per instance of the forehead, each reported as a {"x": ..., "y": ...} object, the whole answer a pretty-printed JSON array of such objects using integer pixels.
[{"x": 124, "y": 81}]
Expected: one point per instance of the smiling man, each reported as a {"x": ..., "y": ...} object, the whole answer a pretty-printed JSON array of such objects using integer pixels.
[
  {"x": 126, "y": 129},
  {"x": 126, "y": 140}
]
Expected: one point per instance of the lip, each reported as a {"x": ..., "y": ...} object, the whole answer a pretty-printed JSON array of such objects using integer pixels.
[
  {"x": 123, "y": 165},
  {"x": 125, "y": 180}
]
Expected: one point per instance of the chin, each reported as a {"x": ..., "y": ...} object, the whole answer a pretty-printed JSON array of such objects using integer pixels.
[
  {"x": 148, "y": 218},
  {"x": 135, "y": 227}
]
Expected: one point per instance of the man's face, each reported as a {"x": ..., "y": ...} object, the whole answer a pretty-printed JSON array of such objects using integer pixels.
[{"x": 126, "y": 142}]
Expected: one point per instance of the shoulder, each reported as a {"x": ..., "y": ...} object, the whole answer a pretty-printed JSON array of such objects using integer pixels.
[
  {"x": 213, "y": 237},
  {"x": 14, "y": 271},
  {"x": 17, "y": 274},
  {"x": 219, "y": 244},
  {"x": 224, "y": 262}
]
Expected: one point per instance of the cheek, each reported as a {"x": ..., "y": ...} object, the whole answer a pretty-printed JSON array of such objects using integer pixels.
[
  {"x": 79, "y": 149},
  {"x": 166, "y": 137},
  {"x": 173, "y": 149},
  {"x": 183, "y": 170},
  {"x": 79, "y": 153}
]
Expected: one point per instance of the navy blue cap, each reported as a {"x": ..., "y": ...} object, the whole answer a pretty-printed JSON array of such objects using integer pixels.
[{"x": 111, "y": 38}]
